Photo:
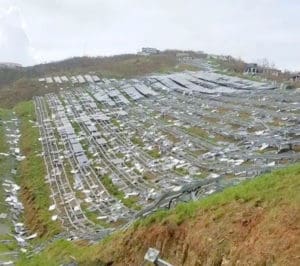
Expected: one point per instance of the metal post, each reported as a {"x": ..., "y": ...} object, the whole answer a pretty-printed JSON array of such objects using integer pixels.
[{"x": 152, "y": 255}]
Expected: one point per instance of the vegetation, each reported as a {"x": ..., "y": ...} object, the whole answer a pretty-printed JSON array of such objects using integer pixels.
[
  {"x": 201, "y": 133},
  {"x": 225, "y": 211},
  {"x": 271, "y": 193},
  {"x": 231, "y": 65},
  {"x": 4, "y": 115},
  {"x": 9, "y": 75},
  {"x": 7, "y": 243},
  {"x": 93, "y": 215},
  {"x": 23, "y": 90},
  {"x": 200, "y": 176},
  {"x": 181, "y": 171},
  {"x": 22, "y": 84},
  {"x": 235, "y": 67},
  {"x": 172, "y": 137},
  {"x": 76, "y": 127},
  {"x": 137, "y": 141},
  {"x": 34, "y": 193},
  {"x": 154, "y": 153},
  {"x": 5, "y": 162},
  {"x": 120, "y": 155},
  {"x": 130, "y": 202},
  {"x": 268, "y": 190},
  {"x": 115, "y": 122},
  {"x": 197, "y": 131},
  {"x": 149, "y": 175}
]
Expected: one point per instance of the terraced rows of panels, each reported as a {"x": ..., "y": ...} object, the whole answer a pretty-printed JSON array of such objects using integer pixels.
[{"x": 115, "y": 148}]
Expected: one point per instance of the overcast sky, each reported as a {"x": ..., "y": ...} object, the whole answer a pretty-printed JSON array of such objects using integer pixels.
[{"x": 35, "y": 31}]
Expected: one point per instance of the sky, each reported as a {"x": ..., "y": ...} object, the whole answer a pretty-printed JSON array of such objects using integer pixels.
[{"x": 37, "y": 31}]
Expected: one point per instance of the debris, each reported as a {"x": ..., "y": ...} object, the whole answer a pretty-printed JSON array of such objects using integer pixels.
[
  {"x": 52, "y": 207},
  {"x": 3, "y": 215},
  {"x": 31, "y": 236}
]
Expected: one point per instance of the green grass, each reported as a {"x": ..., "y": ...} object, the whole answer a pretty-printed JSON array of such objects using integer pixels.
[
  {"x": 9, "y": 246},
  {"x": 221, "y": 67},
  {"x": 59, "y": 253},
  {"x": 130, "y": 202},
  {"x": 201, "y": 175},
  {"x": 35, "y": 193},
  {"x": 183, "y": 67},
  {"x": 270, "y": 190},
  {"x": 115, "y": 122},
  {"x": 92, "y": 216},
  {"x": 197, "y": 131},
  {"x": 4, "y": 115},
  {"x": 21, "y": 84},
  {"x": 5, "y": 164},
  {"x": 120, "y": 155},
  {"x": 137, "y": 141},
  {"x": 129, "y": 164},
  {"x": 76, "y": 127},
  {"x": 181, "y": 171},
  {"x": 154, "y": 153},
  {"x": 171, "y": 137},
  {"x": 85, "y": 145}
]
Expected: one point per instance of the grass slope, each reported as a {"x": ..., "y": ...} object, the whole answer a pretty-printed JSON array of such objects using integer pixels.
[
  {"x": 7, "y": 242},
  {"x": 17, "y": 85},
  {"x": 254, "y": 223},
  {"x": 35, "y": 193},
  {"x": 4, "y": 161}
]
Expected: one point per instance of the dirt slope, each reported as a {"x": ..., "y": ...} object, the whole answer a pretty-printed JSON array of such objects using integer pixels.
[{"x": 244, "y": 235}]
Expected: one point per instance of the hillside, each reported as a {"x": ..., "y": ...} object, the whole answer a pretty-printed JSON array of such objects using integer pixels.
[
  {"x": 81, "y": 163},
  {"x": 21, "y": 84},
  {"x": 254, "y": 223}
]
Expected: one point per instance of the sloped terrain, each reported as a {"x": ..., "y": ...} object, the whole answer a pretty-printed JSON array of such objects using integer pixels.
[
  {"x": 254, "y": 223},
  {"x": 95, "y": 156},
  {"x": 21, "y": 84}
]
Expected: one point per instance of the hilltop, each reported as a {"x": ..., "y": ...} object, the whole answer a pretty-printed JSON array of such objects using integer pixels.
[{"x": 21, "y": 84}]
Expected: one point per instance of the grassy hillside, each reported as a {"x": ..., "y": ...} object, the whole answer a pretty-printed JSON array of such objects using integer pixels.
[
  {"x": 114, "y": 66},
  {"x": 23, "y": 90},
  {"x": 5, "y": 165},
  {"x": 35, "y": 194},
  {"x": 21, "y": 84},
  {"x": 235, "y": 67},
  {"x": 254, "y": 223}
]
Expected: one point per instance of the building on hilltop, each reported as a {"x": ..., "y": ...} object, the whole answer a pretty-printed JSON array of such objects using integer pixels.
[
  {"x": 148, "y": 51},
  {"x": 252, "y": 69},
  {"x": 295, "y": 77}
]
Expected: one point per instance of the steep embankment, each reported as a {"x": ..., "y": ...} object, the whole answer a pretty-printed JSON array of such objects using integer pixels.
[{"x": 255, "y": 223}]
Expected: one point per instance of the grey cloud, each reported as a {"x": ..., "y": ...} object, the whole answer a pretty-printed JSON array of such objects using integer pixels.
[
  {"x": 64, "y": 28},
  {"x": 14, "y": 42}
]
